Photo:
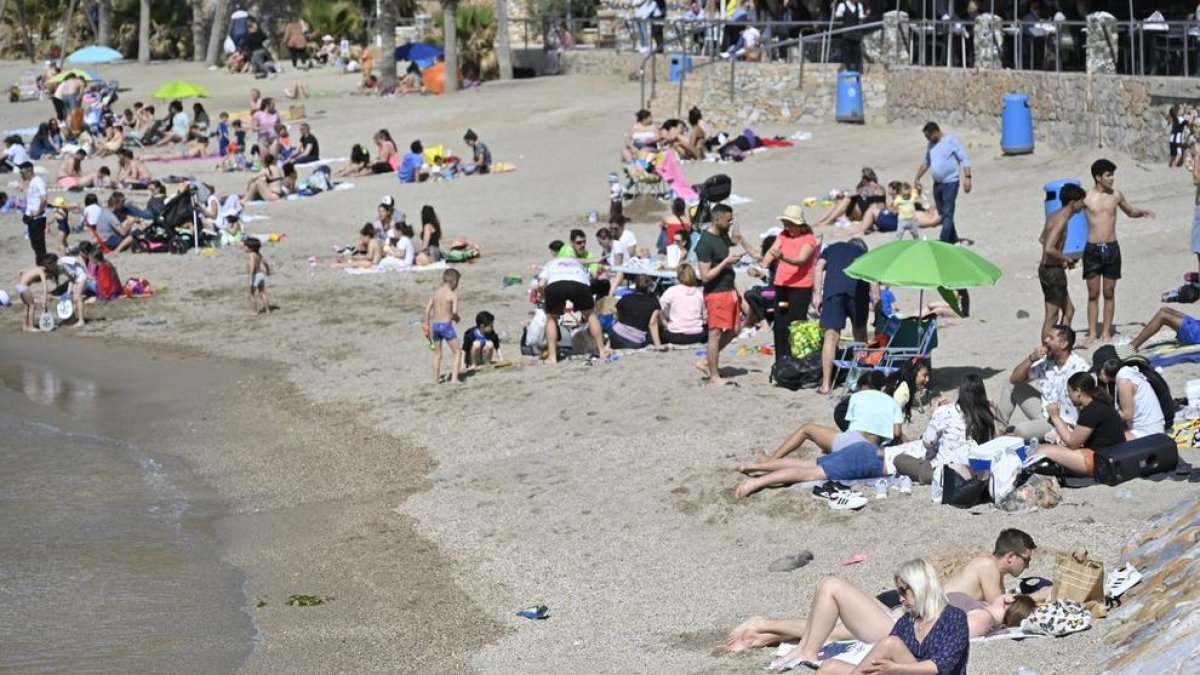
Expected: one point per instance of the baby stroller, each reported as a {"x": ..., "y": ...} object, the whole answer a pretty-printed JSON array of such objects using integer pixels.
[
  {"x": 712, "y": 191},
  {"x": 176, "y": 229}
]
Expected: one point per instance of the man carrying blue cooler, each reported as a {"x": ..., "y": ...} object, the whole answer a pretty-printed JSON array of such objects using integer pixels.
[{"x": 944, "y": 158}]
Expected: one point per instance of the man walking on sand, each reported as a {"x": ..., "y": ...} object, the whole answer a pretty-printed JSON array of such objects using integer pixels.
[
  {"x": 838, "y": 297},
  {"x": 1052, "y": 271},
  {"x": 944, "y": 159},
  {"x": 1102, "y": 255},
  {"x": 721, "y": 299}
]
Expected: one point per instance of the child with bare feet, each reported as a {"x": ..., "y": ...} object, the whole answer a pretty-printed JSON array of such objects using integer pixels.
[
  {"x": 1102, "y": 255},
  {"x": 441, "y": 313},
  {"x": 258, "y": 269},
  {"x": 45, "y": 273}
]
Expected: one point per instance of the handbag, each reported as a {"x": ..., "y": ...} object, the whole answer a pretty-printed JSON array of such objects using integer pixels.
[
  {"x": 1058, "y": 618},
  {"x": 1078, "y": 578},
  {"x": 962, "y": 492}
]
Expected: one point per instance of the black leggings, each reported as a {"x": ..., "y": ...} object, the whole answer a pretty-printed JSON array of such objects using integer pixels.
[
  {"x": 759, "y": 305},
  {"x": 683, "y": 338},
  {"x": 791, "y": 304}
]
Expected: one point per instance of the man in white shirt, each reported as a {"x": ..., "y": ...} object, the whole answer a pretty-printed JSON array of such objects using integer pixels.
[
  {"x": 1052, "y": 364},
  {"x": 35, "y": 210},
  {"x": 562, "y": 281}
]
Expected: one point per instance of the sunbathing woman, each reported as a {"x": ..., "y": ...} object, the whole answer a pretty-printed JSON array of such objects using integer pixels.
[
  {"x": 854, "y": 205},
  {"x": 673, "y": 136},
  {"x": 642, "y": 135},
  {"x": 367, "y": 253},
  {"x": 195, "y": 149},
  {"x": 70, "y": 172},
  {"x": 842, "y": 611},
  {"x": 429, "y": 250},
  {"x": 700, "y": 132},
  {"x": 266, "y": 183},
  {"x": 880, "y": 217},
  {"x": 359, "y": 165}
]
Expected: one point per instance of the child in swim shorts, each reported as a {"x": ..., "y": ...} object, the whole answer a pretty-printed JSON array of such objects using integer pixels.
[{"x": 441, "y": 313}]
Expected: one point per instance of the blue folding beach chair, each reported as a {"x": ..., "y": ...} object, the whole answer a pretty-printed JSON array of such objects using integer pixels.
[{"x": 907, "y": 339}]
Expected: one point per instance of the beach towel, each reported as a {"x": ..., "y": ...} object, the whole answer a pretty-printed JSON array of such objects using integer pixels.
[
  {"x": 393, "y": 264},
  {"x": 1170, "y": 353},
  {"x": 671, "y": 172},
  {"x": 208, "y": 157},
  {"x": 776, "y": 143}
]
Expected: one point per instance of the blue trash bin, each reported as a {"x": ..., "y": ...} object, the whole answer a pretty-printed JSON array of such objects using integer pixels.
[
  {"x": 849, "y": 97},
  {"x": 1016, "y": 129},
  {"x": 1077, "y": 227},
  {"x": 680, "y": 64}
]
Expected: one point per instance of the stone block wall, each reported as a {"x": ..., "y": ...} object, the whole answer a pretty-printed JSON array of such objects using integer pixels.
[{"x": 1069, "y": 109}]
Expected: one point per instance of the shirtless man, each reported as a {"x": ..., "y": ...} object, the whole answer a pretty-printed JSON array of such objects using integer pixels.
[
  {"x": 71, "y": 175},
  {"x": 131, "y": 173},
  {"x": 1052, "y": 271},
  {"x": 1102, "y": 255},
  {"x": 983, "y": 577}
]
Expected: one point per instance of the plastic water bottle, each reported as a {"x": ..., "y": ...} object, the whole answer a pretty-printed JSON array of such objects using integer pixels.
[
  {"x": 935, "y": 492},
  {"x": 881, "y": 488}
]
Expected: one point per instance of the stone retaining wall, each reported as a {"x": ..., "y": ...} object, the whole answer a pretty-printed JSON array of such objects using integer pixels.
[{"x": 1069, "y": 109}]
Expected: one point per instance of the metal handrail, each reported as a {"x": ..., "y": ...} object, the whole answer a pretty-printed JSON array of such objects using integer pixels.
[{"x": 653, "y": 76}]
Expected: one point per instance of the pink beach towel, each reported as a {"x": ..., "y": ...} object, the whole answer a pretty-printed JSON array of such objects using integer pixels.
[{"x": 670, "y": 171}]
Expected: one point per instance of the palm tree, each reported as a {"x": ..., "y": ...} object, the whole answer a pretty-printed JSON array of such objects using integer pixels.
[
  {"x": 450, "y": 44},
  {"x": 199, "y": 21},
  {"x": 104, "y": 24},
  {"x": 144, "y": 33},
  {"x": 216, "y": 38},
  {"x": 503, "y": 53},
  {"x": 387, "y": 43}
]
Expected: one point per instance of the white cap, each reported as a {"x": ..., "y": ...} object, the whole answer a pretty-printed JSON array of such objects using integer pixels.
[
  {"x": 387, "y": 201},
  {"x": 327, "y": 38}
]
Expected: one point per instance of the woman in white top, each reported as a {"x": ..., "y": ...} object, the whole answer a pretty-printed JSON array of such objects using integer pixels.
[
  {"x": 1136, "y": 399},
  {"x": 400, "y": 244},
  {"x": 953, "y": 430}
]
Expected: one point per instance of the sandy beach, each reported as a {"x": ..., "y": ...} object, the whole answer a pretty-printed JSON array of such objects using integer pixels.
[{"x": 431, "y": 514}]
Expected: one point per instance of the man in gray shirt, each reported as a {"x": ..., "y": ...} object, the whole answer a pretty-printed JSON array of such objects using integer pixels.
[{"x": 944, "y": 158}]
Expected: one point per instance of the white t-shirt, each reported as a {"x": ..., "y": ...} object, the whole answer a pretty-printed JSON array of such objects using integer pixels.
[
  {"x": 72, "y": 268},
  {"x": 947, "y": 436},
  {"x": 17, "y": 155},
  {"x": 179, "y": 124},
  {"x": 403, "y": 247},
  {"x": 564, "y": 269},
  {"x": 91, "y": 214},
  {"x": 618, "y": 249},
  {"x": 875, "y": 413},
  {"x": 1147, "y": 412},
  {"x": 628, "y": 238},
  {"x": 35, "y": 196}
]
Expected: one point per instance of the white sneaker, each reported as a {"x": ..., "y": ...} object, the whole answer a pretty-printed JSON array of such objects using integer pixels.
[
  {"x": 847, "y": 501},
  {"x": 1121, "y": 580}
]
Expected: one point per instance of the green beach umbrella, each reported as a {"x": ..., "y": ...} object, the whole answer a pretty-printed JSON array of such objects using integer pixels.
[
  {"x": 89, "y": 76},
  {"x": 924, "y": 264},
  {"x": 181, "y": 89}
]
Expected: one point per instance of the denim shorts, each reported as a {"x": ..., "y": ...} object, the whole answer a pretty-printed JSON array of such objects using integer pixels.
[{"x": 857, "y": 461}]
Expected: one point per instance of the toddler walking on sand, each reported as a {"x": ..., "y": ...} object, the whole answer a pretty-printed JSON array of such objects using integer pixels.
[
  {"x": 258, "y": 270},
  {"x": 441, "y": 313}
]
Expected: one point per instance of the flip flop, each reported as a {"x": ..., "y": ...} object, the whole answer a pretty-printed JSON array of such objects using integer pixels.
[{"x": 855, "y": 559}]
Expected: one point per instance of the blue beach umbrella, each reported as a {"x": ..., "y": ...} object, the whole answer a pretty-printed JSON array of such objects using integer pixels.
[
  {"x": 95, "y": 54},
  {"x": 418, "y": 51}
]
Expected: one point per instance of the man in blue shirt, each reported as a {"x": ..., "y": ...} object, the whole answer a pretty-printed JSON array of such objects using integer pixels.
[
  {"x": 943, "y": 159},
  {"x": 409, "y": 170}
]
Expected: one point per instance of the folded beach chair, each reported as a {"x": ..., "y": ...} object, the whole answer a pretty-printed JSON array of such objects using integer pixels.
[{"x": 904, "y": 340}]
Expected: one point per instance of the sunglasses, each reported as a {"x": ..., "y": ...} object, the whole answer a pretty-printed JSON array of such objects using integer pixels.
[
  {"x": 1027, "y": 557},
  {"x": 579, "y": 241},
  {"x": 902, "y": 589}
]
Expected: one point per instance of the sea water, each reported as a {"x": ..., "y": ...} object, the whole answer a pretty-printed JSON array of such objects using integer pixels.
[{"x": 107, "y": 564}]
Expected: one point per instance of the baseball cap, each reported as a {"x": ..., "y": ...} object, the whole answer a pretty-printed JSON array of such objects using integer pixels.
[{"x": 387, "y": 201}]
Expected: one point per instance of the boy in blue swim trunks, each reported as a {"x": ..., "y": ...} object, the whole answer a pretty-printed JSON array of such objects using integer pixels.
[
  {"x": 441, "y": 313},
  {"x": 1187, "y": 329}
]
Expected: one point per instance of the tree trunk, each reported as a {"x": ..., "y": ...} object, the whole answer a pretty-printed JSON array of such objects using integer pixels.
[
  {"x": 199, "y": 20},
  {"x": 29, "y": 48},
  {"x": 450, "y": 36},
  {"x": 144, "y": 33},
  {"x": 503, "y": 49},
  {"x": 104, "y": 27},
  {"x": 386, "y": 26},
  {"x": 216, "y": 39},
  {"x": 66, "y": 36}
]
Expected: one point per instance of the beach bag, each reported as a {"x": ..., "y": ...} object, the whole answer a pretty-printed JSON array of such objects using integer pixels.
[
  {"x": 792, "y": 373},
  {"x": 1038, "y": 492},
  {"x": 320, "y": 180},
  {"x": 805, "y": 337},
  {"x": 1006, "y": 468},
  {"x": 535, "y": 332},
  {"x": 108, "y": 284},
  {"x": 137, "y": 287},
  {"x": 1079, "y": 578},
  {"x": 960, "y": 492},
  {"x": 1058, "y": 618}
]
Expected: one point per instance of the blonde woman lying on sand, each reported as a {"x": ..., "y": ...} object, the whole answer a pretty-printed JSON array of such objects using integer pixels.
[{"x": 843, "y": 611}]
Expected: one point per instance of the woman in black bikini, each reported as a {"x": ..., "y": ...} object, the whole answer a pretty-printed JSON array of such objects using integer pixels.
[
  {"x": 266, "y": 184},
  {"x": 855, "y": 205},
  {"x": 429, "y": 251}
]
